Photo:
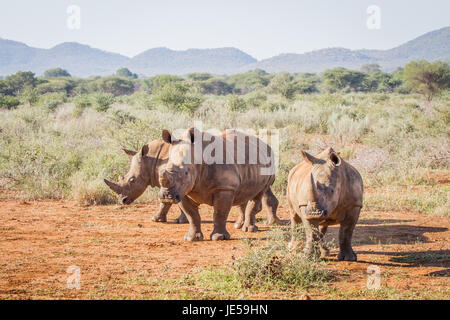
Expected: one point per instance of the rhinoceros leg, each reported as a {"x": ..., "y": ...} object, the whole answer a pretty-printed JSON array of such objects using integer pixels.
[
  {"x": 240, "y": 221},
  {"x": 190, "y": 208},
  {"x": 253, "y": 207},
  {"x": 161, "y": 215},
  {"x": 223, "y": 201},
  {"x": 270, "y": 204},
  {"x": 295, "y": 221},
  {"x": 182, "y": 218},
  {"x": 345, "y": 236},
  {"x": 324, "y": 252}
]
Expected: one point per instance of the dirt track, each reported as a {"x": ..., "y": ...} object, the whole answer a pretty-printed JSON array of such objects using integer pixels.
[{"x": 114, "y": 246}]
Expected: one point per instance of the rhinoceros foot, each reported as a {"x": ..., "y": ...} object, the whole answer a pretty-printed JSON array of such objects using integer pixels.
[
  {"x": 218, "y": 236},
  {"x": 181, "y": 219},
  {"x": 197, "y": 236},
  {"x": 324, "y": 252},
  {"x": 158, "y": 218},
  {"x": 249, "y": 228},
  {"x": 238, "y": 224},
  {"x": 348, "y": 255},
  {"x": 273, "y": 222}
]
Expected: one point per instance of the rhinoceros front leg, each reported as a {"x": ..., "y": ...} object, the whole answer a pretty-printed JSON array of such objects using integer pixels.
[
  {"x": 253, "y": 207},
  {"x": 182, "y": 218},
  {"x": 345, "y": 236},
  {"x": 270, "y": 204},
  {"x": 295, "y": 221},
  {"x": 190, "y": 209},
  {"x": 240, "y": 221},
  {"x": 223, "y": 201},
  {"x": 161, "y": 215}
]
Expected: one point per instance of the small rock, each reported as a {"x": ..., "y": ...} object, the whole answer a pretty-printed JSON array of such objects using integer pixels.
[{"x": 305, "y": 297}]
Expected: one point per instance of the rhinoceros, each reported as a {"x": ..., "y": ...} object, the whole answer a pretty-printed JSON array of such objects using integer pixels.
[
  {"x": 144, "y": 172},
  {"x": 191, "y": 178},
  {"x": 324, "y": 190},
  {"x": 144, "y": 169}
]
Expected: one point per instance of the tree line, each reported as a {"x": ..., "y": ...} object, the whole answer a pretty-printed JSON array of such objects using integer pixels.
[{"x": 427, "y": 78}]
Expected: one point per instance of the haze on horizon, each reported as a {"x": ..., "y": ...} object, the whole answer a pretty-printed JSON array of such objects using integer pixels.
[{"x": 261, "y": 28}]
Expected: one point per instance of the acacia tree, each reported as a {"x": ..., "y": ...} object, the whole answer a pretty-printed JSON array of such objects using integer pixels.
[{"x": 427, "y": 78}]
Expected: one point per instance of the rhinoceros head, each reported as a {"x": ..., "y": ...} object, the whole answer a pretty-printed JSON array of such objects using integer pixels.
[
  {"x": 322, "y": 190},
  {"x": 178, "y": 177},
  {"x": 130, "y": 187}
]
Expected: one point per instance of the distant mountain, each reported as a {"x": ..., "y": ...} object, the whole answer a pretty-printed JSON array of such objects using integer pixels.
[
  {"x": 84, "y": 61},
  {"x": 216, "y": 61},
  {"x": 80, "y": 60},
  {"x": 432, "y": 46}
]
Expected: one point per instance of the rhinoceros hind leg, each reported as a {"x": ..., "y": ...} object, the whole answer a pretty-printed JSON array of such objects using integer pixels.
[
  {"x": 182, "y": 218},
  {"x": 223, "y": 201},
  {"x": 253, "y": 207},
  {"x": 270, "y": 204},
  {"x": 324, "y": 251},
  {"x": 240, "y": 221}
]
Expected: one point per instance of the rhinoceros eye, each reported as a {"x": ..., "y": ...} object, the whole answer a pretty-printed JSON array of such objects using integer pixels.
[{"x": 131, "y": 179}]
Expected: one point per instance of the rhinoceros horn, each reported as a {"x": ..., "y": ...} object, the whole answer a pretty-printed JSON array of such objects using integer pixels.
[{"x": 114, "y": 187}]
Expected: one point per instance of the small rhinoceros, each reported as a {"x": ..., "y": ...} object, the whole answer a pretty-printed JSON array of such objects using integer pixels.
[
  {"x": 190, "y": 179},
  {"x": 324, "y": 190},
  {"x": 144, "y": 172}
]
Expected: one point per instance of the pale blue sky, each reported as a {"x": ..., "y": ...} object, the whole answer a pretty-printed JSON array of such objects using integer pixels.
[{"x": 261, "y": 28}]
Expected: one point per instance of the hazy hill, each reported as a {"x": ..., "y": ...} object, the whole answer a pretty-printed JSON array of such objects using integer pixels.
[
  {"x": 431, "y": 46},
  {"x": 80, "y": 60},
  {"x": 84, "y": 61},
  {"x": 164, "y": 60}
]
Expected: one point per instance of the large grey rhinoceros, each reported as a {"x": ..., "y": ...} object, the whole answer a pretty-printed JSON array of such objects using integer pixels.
[
  {"x": 191, "y": 178},
  {"x": 324, "y": 190},
  {"x": 144, "y": 172}
]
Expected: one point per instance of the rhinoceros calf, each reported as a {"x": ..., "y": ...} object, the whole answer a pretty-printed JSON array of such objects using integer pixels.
[
  {"x": 191, "y": 180},
  {"x": 324, "y": 190},
  {"x": 144, "y": 172}
]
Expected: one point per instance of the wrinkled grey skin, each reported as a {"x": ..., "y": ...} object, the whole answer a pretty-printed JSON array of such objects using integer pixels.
[
  {"x": 220, "y": 185},
  {"x": 324, "y": 190},
  {"x": 143, "y": 172}
]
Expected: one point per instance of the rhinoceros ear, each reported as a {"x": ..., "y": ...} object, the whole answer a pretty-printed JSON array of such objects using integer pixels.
[
  {"x": 166, "y": 136},
  {"x": 144, "y": 150},
  {"x": 308, "y": 158},
  {"x": 335, "y": 159},
  {"x": 129, "y": 152}
]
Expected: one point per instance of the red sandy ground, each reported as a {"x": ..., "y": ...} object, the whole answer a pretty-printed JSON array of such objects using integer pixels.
[{"x": 113, "y": 245}]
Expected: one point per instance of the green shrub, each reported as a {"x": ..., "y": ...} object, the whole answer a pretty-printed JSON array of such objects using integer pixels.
[
  {"x": 272, "y": 265},
  {"x": 52, "y": 100},
  {"x": 29, "y": 95},
  {"x": 102, "y": 101},
  {"x": 8, "y": 102},
  {"x": 178, "y": 97},
  {"x": 236, "y": 103}
]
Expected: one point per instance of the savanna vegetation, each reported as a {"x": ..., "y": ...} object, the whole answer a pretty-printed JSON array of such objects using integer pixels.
[{"x": 60, "y": 136}]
